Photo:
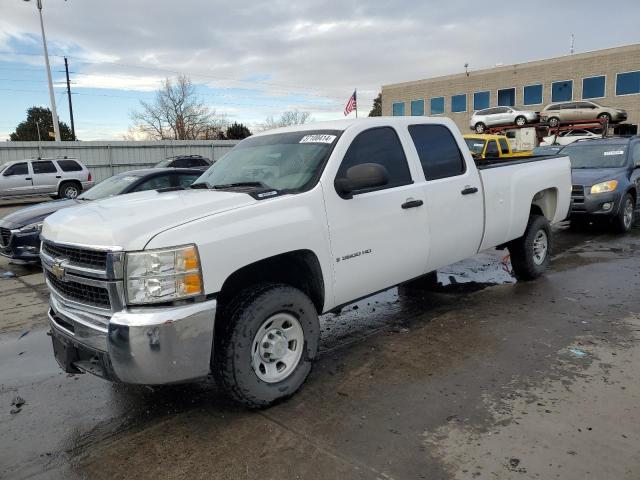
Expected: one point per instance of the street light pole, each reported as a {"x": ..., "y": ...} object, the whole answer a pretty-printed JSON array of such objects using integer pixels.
[{"x": 54, "y": 113}]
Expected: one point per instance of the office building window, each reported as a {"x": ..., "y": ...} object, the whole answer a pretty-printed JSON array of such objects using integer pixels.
[
  {"x": 506, "y": 97},
  {"x": 459, "y": 103},
  {"x": 481, "y": 100},
  {"x": 593, "y": 87},
  {"x": 628, "y": 83},
  {"x": 562, "y": 91},
  {"x": 417, "y": 107},
  {"x": 398, "y": 109},
  {"x": 437, "y": 106},
  {"x": 532, "y": 94}
]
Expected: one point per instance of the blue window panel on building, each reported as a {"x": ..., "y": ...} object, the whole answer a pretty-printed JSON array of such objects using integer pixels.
[
  {"x": 507, "y": 97},
  {"x": 628, "y": 83},
  {"x": 562, "y": 91},
  {"x": 593, "y": 87},
  {"x": 459, "y": 103},
  {"x": 417, "y": 107},
  {"x": 532, "y": 94},
  {"x": 398, "y": 109},
  {"x": 481, "y": 100},
  {"x": 437, "y": 106}
]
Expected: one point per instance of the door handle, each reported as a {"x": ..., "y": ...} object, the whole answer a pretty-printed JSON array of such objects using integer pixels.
[
  {"x": 412, "y": 204},
  {"x": 58, "y": 176},
  {"x": 469, "y": 190},
  {"x": 28, "y": 178}
]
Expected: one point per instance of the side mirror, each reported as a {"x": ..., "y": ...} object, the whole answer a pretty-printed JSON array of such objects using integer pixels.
[{"x": 361, "y": 177}]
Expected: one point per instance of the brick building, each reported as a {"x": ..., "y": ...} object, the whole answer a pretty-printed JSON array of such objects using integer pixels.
[{"x": 610, "y": 77}]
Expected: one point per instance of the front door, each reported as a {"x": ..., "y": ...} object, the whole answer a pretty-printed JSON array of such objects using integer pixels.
[
  {"x": 45, "y": 176},
  {"x": 378, "y": 237},
  {"x": 455, "y": 206},
  {"x": 16, "y": 180}
]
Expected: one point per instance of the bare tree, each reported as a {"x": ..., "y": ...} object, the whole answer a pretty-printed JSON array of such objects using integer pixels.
[
  {"x": 178, "y": 113},
  {"x": 291, "y": 117}
]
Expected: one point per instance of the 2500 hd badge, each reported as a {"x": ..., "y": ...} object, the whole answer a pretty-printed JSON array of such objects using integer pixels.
[{"x": 353, "y": 255}]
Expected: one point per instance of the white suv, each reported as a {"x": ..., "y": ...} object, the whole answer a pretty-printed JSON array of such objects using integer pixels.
[{"x": 59, "y": 177}]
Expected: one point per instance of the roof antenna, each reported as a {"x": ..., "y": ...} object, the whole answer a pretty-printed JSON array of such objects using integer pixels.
[{"x": 572, "y": 43}]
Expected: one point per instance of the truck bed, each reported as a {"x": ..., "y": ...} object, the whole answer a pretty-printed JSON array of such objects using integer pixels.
[{"x": 484, "y": 164}]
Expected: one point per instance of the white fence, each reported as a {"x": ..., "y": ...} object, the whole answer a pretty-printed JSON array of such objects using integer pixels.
[{"x": 107, "y": 158}]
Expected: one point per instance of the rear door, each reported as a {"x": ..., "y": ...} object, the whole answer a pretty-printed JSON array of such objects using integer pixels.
[
  {"x": 16, "y": 180},
  {"x": 569, "y": 112},
  {"x": 45, "y": 176},
  {"x": 379, "y": 237},
  {"x": 585, "y": 111},
  {"x": 455, "y": 215}
]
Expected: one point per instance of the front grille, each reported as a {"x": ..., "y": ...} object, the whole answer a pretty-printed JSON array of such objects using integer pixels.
[
  {"x": 78, "y": 256},
  {"x": 80, "y": 292},
  {"x": 5, "y": 236}
]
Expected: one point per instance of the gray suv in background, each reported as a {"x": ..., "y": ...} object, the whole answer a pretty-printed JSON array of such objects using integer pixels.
[
  {"x": 499, "y": 116},
  {"x": 58, "y": 177},
  {"x": 583, "y": 111}
]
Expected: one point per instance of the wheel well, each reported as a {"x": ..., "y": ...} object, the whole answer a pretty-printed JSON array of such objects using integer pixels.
[
  {"x": 633, "y": 193},
  {"x": 545, "y": 203},
  {"x": 77, "y": 182},
  {"x": 300, "y": 269}
]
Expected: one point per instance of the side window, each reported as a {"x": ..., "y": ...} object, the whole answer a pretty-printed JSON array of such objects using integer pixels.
[
  {"x": 504, "y": 146},
  {"x": 155, "y": 183},
  {"x": 44, "y": 167},
  {"x": 492, "y": 150},
  {"x": 186, "y": 180},
  {"x": 438, "y": 151},
  {"x": 586, "y": 105},
  {"x": 180, "y": 163},
  {"x": 69, "y": 166},
  {"x": 17, "y": 169},
  {"x": 635, "y": 154},
  {"x": 199, "y": 162},
  {"x": 382, "y": 146}
]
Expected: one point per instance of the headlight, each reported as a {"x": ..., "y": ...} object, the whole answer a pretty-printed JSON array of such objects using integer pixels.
[
  {"x": 163, "y": 275},
  {"x": 31, "y": 228},
  {"x": 603, "y": 187}
]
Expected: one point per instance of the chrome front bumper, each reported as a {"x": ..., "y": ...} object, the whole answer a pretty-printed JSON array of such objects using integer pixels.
[{"x": 148, "y": 346}]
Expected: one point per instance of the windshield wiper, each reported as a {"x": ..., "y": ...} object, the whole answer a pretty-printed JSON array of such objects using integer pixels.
[
  {"x": 200, "y": 185},
  {"x": 240, "y": 184}
]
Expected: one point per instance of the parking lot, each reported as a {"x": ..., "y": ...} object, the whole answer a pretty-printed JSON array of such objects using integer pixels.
[{"x": 482, "y": 378}]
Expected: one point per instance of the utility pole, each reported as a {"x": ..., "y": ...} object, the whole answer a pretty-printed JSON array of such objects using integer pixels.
[
  {"x": 73, "y": 128},
  {"x": 572, "y": 43},
  {"x": 54, "y": 113}
]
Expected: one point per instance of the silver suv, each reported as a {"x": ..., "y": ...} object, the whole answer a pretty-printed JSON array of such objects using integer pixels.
[
  {"x": 501, "y": 116},
  {"x": 58, "y": 177}
]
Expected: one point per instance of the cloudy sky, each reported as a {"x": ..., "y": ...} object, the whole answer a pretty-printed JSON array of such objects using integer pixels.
[{"x": 255, "y": 59}]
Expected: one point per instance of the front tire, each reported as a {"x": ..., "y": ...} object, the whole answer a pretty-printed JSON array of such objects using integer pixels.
[
  {"x": 605, "y": 117},
  {"x": 521, "y": 121},
  {"x": 530, "y": 253},
  {"x": 480, "y": 127},
  {"x": 623, "y": 222},
  {"x": 265, "y": 343}
]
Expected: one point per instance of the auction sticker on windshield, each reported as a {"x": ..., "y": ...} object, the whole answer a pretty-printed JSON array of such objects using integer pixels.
[
  {"x": 318, "y": 138},
  {"x": 613, "y": 152}
]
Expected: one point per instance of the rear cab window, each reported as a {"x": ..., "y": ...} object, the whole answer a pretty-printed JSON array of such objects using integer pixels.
[
  {"x": 69, "y": 166},
  {"x": 438, "y": 151},
  {"x": 504, "y": 146},
  {"x": 379, "y": 145}
]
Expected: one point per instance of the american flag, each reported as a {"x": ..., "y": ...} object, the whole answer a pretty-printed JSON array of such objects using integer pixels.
[{"x": 352, "y": 104}]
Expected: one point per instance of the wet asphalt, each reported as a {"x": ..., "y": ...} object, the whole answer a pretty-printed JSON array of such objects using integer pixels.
[{"x": 482, "y": 377}]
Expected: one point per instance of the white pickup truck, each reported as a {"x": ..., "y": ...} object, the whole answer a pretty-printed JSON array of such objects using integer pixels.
[{"x": 229, "y": 277}]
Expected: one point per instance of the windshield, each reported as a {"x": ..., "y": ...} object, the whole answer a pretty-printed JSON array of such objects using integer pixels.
[
  {"x": 111, "y": 186},
  {"x": 282, "y": 161},
  {"x": 585, "y": 155},
  {"x": 164, "y": 163},
  {"x": 475, "y": 145}
]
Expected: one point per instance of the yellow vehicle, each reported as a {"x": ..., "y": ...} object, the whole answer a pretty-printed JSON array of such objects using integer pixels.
[{"x": 485, "y": 146}]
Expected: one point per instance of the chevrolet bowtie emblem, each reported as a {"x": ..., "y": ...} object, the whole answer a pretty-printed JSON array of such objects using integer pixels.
[{"x": 57, "y": 269}]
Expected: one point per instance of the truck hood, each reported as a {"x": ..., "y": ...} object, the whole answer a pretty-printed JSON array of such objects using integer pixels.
[
  {"x": 130, "y": 221},
  {"x": 591, "y": 176}
]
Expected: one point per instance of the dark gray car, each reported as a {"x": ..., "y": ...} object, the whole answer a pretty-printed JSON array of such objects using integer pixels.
[{"x": 606, "y": 180}]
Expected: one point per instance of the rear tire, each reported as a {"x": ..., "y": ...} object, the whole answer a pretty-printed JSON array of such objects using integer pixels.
[
  {"x": 265, "y": 343},
  {"x": 553, "y": 122},
  {"x": 69, "y": 190},
  {"x": 623, "y": 222},
  {"x": 480, "y": 127},
  {"x": 530, "y": 253},
  {"x": 521, "y": 121}
]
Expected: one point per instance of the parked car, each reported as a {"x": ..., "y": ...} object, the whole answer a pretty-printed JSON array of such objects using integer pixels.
[
  {"x": 606, "y": 180},
  {"x": 291, "y": 223},
  {"x": 185, "y": 161},
  {"x": 483, "y": 146},
  {"x": 499, "y": 116},
  {"x": 59, "y": 177},
  {"x": 566, "y": 137},
  {"x": 20, "y": 230},
  {"x": 583, "y": 111}
]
